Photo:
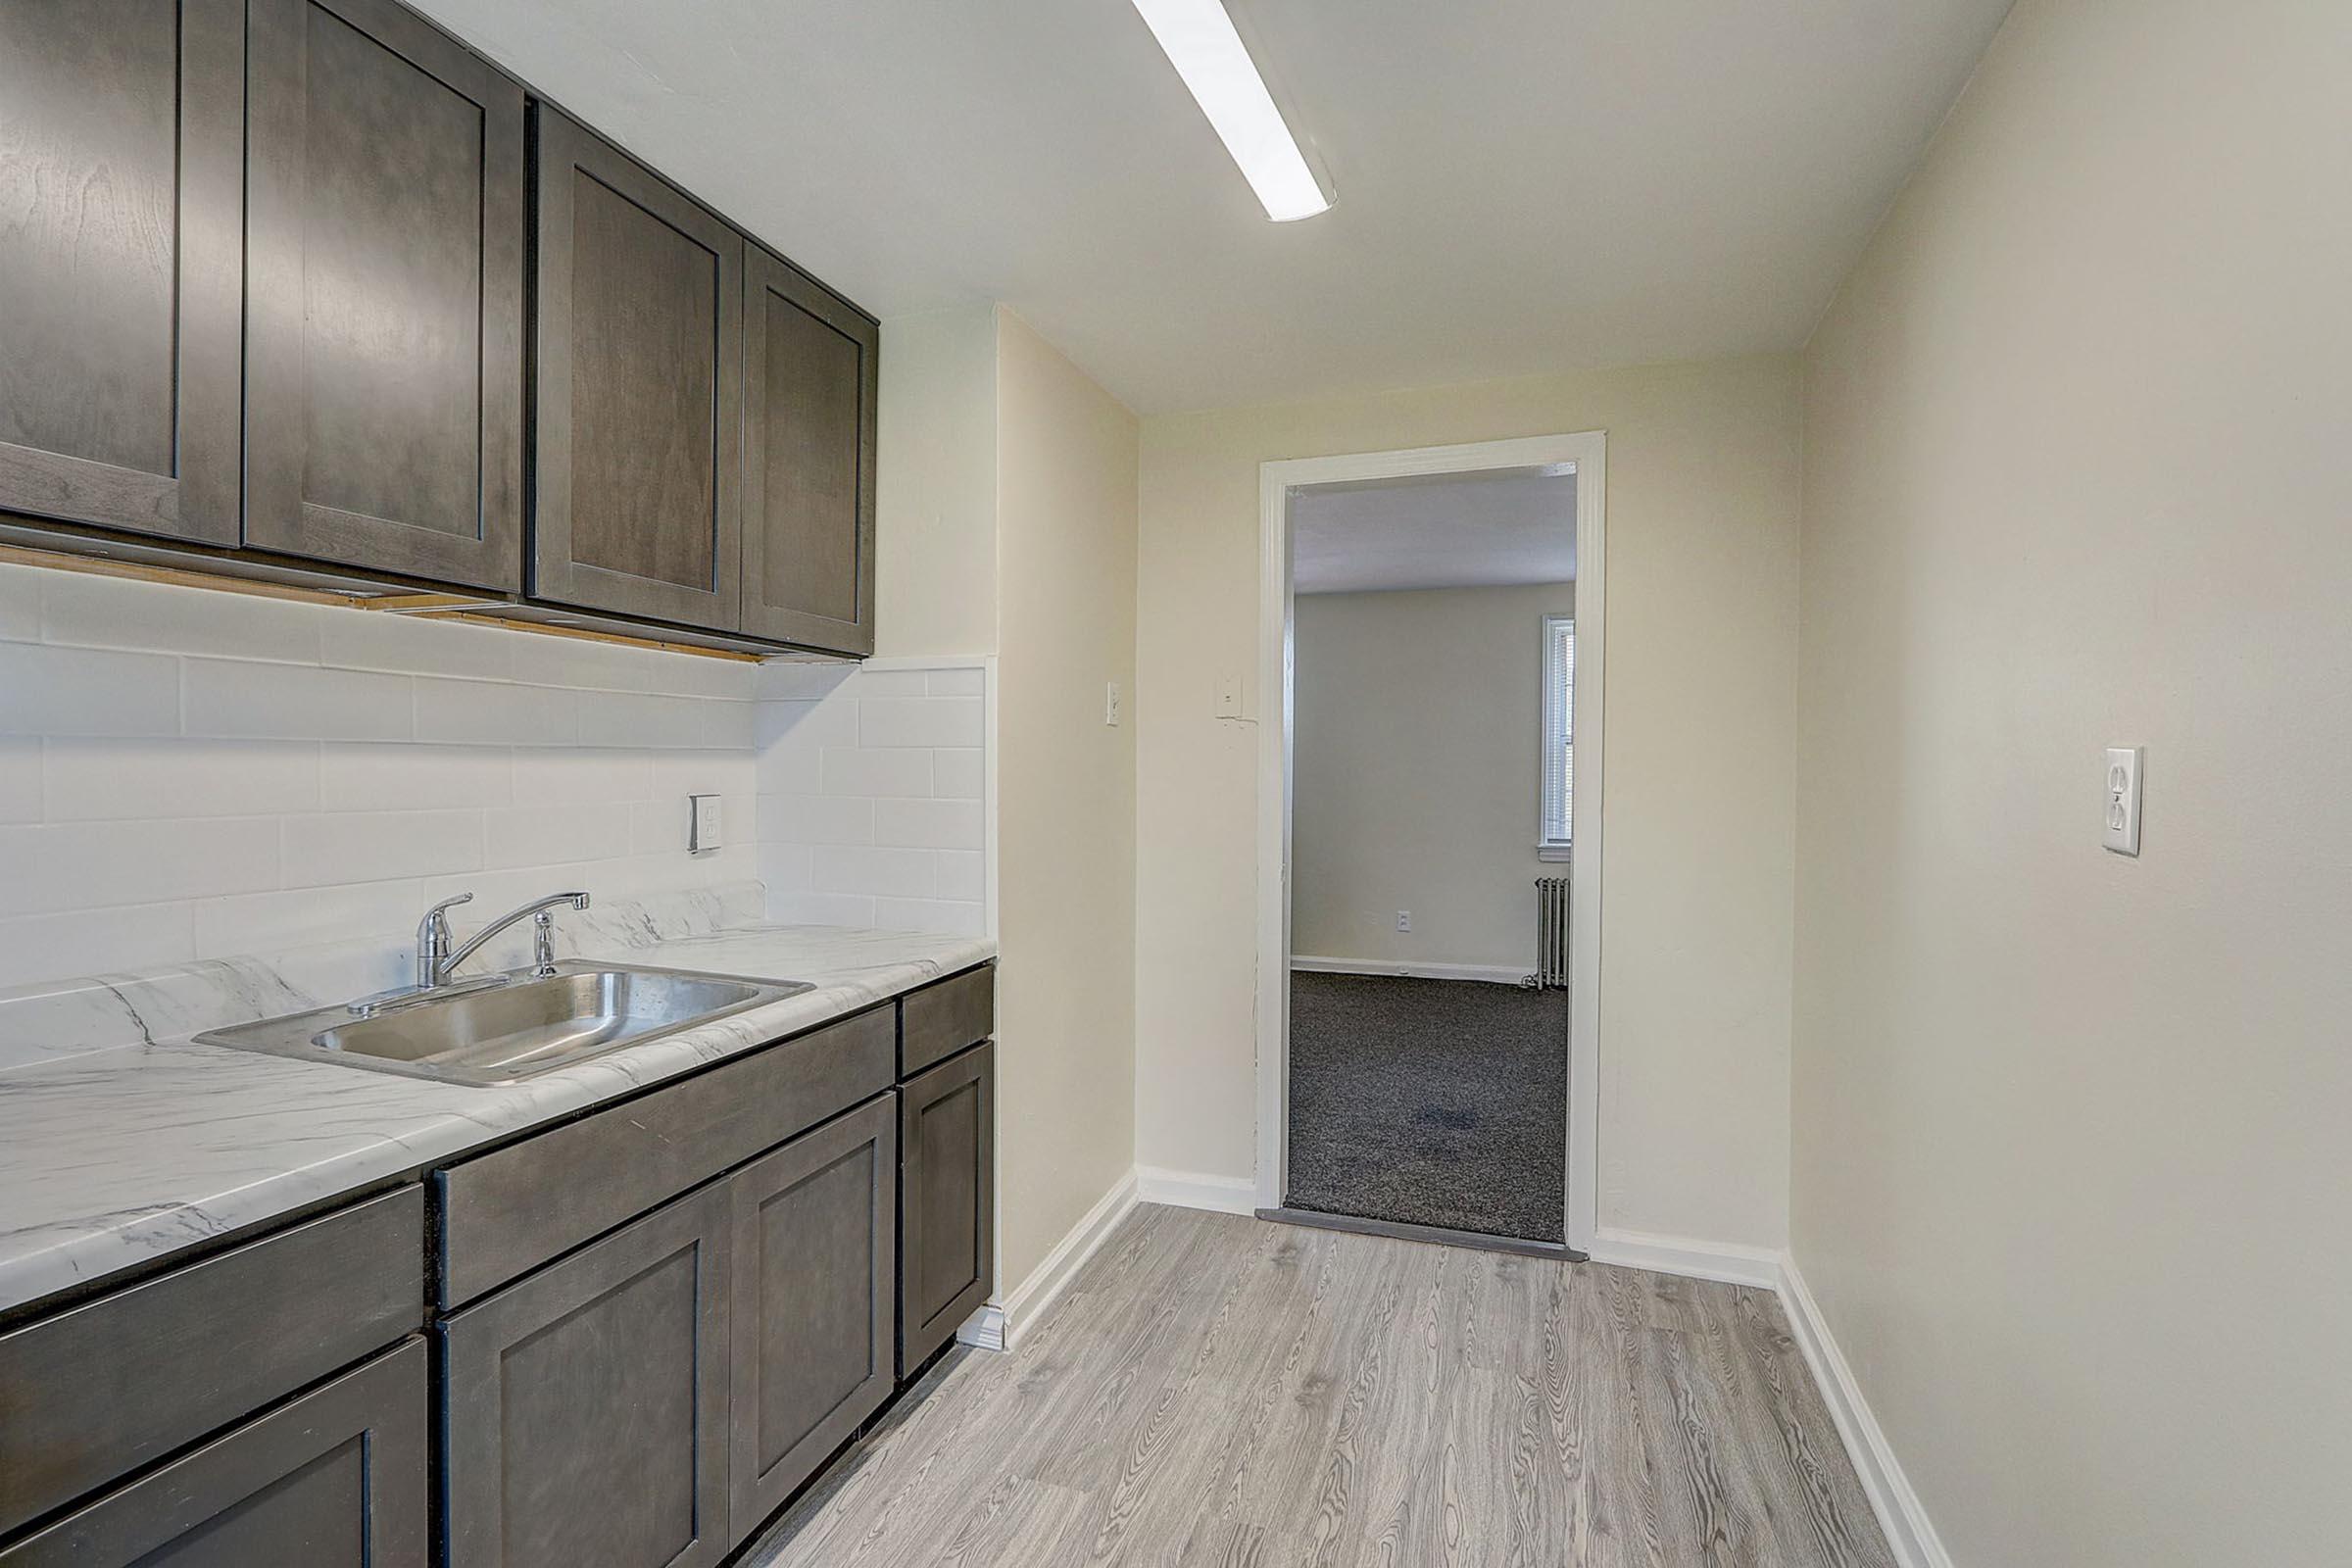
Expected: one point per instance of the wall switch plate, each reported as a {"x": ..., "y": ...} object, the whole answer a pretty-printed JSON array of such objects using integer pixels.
[
  {"x": 2123, "y": 799},
  {"x": 1404, "y": 919},
  {"x": 703, "y": 830},
  {"x": 1110, "y": 704}
]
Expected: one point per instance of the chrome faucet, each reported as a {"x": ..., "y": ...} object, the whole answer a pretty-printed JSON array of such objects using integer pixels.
[
  {"x": 435, "y": 958},
  {"x": 539, "y": 912}
]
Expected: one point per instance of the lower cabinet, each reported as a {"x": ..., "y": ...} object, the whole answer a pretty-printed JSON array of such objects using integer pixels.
[
  {"x": 816, "y": 1227},
  {"x": 587, "y": 1405},
  {"x": 946, "y": 1152},
  {"x": 335, "y": 1479}
]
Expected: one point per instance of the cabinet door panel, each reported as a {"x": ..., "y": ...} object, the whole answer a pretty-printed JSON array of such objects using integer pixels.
[
  {"x": 947, "y": 1147},
  {"x": 335, "y": 1479},
  {"x": 639, "y": 419},
  {"x": 384, "y": 346},
  {"x": 587, "y": 1405},
  {"x": 815, "y": 1244},
  {"x": 810, "y": 364},
  {"x": 121, "y": 129}
]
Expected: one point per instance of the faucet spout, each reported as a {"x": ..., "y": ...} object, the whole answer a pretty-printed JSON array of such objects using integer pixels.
[{"x": 538, "y": 907}]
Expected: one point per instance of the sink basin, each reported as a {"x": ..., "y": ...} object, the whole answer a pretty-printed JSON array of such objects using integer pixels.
[{"x": 513, "y": 1031}]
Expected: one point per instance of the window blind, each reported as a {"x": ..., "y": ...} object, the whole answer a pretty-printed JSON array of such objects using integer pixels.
[{"x": 1559, "y": 729}]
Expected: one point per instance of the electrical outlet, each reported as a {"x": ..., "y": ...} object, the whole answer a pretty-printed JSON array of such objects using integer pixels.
[
  {"x": 1404, "y": 919},
  {"x": 2123, "y": 800},
  {"x": 1110, "y": 704},
  {"x": 702, "y": 824}
]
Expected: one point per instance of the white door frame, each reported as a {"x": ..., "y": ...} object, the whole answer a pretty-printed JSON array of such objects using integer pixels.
[{"x": 1585, "y": 454}]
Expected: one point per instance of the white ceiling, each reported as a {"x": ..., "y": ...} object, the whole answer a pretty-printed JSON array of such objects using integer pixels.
[
  {"x": 1478, "y": 530},
  {"x": 1524, "y": 186}
]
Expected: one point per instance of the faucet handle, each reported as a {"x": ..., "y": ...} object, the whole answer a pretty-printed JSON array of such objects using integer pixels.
[
  {"x": 435, "y": 913},
  {"x": 432, "y": 941}
]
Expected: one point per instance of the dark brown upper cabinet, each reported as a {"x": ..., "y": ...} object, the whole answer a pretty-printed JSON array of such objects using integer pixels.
[
  {"x": 121, "y": 133},
  {"x": 384, "y": 355},
  {"x": 809, "y": 404},
  {"x": 637, "y": 447}
]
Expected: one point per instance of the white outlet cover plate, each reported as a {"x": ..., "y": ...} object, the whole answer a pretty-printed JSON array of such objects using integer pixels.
[
  {"x": 702, "y": 835},
  {"x": 2123, "y": 800}
]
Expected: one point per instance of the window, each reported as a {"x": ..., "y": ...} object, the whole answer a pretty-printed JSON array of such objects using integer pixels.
[{"x": 1559, "y": 736}]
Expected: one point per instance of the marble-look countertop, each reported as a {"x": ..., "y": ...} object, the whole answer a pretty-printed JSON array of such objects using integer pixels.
[{"x": 113, "y": 1154}]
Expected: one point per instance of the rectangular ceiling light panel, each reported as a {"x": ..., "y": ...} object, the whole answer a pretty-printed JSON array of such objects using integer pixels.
[{"x": 1206, "y": 51}]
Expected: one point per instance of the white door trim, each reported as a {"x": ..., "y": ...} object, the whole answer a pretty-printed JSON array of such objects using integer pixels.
[{"x": 1586, "y": 454}]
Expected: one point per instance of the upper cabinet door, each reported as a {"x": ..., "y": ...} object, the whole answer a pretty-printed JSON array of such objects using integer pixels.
[
  {"x": 639, "y": 417},
  {"x": 808, "y": 370},
  {"x": 384, "y": 291},
  {"x": 122, "y": 127}
]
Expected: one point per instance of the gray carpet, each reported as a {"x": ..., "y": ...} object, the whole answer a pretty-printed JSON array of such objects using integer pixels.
[{"x": 1430, "y": 1102}]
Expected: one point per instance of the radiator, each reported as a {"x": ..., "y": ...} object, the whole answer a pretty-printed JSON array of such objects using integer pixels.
[{"x": 1552, "y": 934}]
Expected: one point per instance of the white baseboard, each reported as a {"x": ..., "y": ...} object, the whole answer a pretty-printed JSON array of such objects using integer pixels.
[
  {"x": 1000, "y": 1325},
  {"x": 1728, "y": 1261},
  {"x": 1909, "y": 1535},
  {"x": 1189, "y": 1188},
  {"x": 1499, "y": 973}
]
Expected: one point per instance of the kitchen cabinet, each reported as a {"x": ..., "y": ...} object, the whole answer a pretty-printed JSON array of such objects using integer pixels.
[
  {"x": 586, "y": 1406},
  {"x": 811, "y": 365},
  {"x": 815, "y": 1229},
  {"x": 384, "y": 278},
  {"x": 947, "y": 1176},
  {"x": 121, "y": 169},
  {"x": 637, "y": 439},
  {"x": 335, "y": 1479}
]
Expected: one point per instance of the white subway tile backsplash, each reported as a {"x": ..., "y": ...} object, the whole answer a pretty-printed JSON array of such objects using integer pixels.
[
  {"x": 539, "y": 834},
  {"x": 394, "y": 776},
  {"x": 19, "y": 778},
  {"x": 47, "y": 947},
  {"x": 234, "y": 699},
  {"x": 821, "y": 908},
  {"x": 815, "y": 820},
  {"x": 376, "y": 639},
  {"x": 638, "y": 719},
  {"x": 800, "y": 680},
  {"x": 60, "y": 867},
  {"x": 874, "y": 685},
  {"x": 379, "y": 845},
  {"x": 929, "y": 825},
  {"x": 300, "y": 917},
  {"x": 968, "y": 682},
  {"x": 872, "y": 869},
  {"x": 787, "y": 867},
  {"x": 705, "y": 773},
  {"x": 91, "y": 778},
  {"x": 958, "y": 773},
  {"x": 961, "y": 874},
  {"x": 562, "y": 777},
  {"x": 729, "y": 724},
  {"x": 845, "y": 770},
  {"x": 86, "y": 690},
  {"x": 495, "y": 713},
  {"x": 93, "y": 612},
  {"x": 919, "y": 721},
  {"x": 931, "y": 915},
  {"x": 20, "y": 604}
]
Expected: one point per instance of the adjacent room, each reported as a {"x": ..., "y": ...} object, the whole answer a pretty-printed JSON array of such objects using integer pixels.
[
  {"x": 1433, "y": 633},
  {"x": 1175, "y": 784}
]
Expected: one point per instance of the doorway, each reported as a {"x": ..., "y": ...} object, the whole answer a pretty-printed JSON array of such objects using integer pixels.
[{"x": 1427, "y": 1049}]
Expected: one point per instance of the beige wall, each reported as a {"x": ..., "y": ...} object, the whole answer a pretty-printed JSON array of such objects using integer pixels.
[
  {"x": 1008, "y": 527},
  {"x": 2070, "y": 1138},
  {"x": 935, "y": 501},
  {"x": 1416, "y": 754},
  {"x": 1065, "y": 549},
  {"x": 1701, "y": 661}
]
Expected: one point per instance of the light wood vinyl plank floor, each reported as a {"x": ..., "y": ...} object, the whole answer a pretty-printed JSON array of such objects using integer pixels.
[{"x": 1226, "y": 1393}]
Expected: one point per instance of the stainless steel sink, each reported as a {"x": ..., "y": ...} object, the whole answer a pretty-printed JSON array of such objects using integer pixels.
[{"x": 513, "y": 1031}]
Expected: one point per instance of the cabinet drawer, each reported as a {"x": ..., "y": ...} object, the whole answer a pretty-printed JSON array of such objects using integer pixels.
[
  {"x": 511, "y": 1211},
  {"x": 336, "y": 1479},
  {"x": 942, "y": 1020},
  {"x": 98, "y": 1391}
]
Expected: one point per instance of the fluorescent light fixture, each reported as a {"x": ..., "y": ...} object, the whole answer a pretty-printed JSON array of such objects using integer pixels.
[{"x": 1207, "y": 52}]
